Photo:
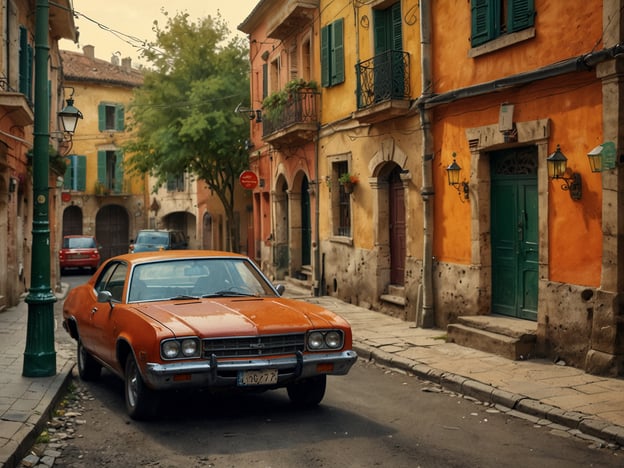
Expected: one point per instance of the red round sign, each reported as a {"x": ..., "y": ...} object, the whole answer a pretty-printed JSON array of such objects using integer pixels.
[
  {"x": 248, "y": 179},
  {"x": 66, "y": 196}
]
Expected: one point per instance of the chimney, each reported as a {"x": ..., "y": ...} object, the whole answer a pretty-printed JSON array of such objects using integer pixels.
[
  {"x": 89, "y": 51},
  {"x": 126, "y": 64}
]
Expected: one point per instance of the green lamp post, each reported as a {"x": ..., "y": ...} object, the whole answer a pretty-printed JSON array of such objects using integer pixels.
[{"x": 40, "y": 355}]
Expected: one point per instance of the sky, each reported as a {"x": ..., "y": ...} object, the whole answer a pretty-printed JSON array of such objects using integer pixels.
[{"x": 135, "y": 17}]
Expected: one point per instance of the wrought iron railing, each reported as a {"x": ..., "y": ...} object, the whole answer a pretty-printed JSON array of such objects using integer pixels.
[
  {"x": 300, "y": 108},
  {"x": 383, "y": 78}
]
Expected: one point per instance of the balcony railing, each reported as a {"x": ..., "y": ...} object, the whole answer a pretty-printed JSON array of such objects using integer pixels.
[
  {"x": 301, "y": 108},
  {"x": 382, "y": 78}
]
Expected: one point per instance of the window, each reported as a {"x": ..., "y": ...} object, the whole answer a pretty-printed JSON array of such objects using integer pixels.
[
  {"x": 25, "y": 64},
  {"x": 494, "y": 18},
  {"x": 175, "y": 183},
  {"x": 110, "y": 171},
  {"x": 332, "y": 54},
  {"x": 110, "y": 117},
  {"x": 76, "y": 173},
  {"x": 341, "y": 201}
]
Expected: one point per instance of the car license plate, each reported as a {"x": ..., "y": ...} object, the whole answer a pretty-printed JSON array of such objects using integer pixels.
[{"x": 257, "y": 377}]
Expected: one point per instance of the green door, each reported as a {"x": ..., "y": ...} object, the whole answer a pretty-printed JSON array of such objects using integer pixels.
[{"x": 514, "y": 232}]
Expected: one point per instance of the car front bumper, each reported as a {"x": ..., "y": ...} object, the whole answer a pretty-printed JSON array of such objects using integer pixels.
[{"x": 213, "y": 373}]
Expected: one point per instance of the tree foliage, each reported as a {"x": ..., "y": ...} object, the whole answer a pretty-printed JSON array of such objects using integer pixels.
[{"x": 183, "y": 116}]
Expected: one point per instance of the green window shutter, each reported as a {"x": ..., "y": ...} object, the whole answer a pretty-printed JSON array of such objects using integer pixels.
[
  {"x": 380, "y": 30},
  {"x": 397, "y": 20},
  {"x": 80, "y": 173},
  {"x": 325, "y": 57},
  {"x": 521, "y": 15},
  {"x": 119, "y": 118},
  {"x": 118, "y": 172},
  {"x": 265, "y": 80},
  {"x": 68, "y": 176},
  {"x": 23, "y": 61},
  {"x": 101, "y": 167},
  {"x": 101, "y": 117},
  {"x": 337, "y": 55},
  {"x": 482, "y": 21}
]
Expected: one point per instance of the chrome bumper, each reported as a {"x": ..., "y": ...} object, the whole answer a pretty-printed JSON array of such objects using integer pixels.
[{"x": 213, "y": 373}]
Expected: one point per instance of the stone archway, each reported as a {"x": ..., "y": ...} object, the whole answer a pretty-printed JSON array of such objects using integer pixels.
[
  {"x": 281, "y": 240},
  {"x": 387, "y": 167}
]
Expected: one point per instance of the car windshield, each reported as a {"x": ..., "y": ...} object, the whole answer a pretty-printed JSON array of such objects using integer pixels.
[
  {"x": 152, "y": 238},
  {"x": 79, "y": 243},
  {"x": 196, "y": 278}
]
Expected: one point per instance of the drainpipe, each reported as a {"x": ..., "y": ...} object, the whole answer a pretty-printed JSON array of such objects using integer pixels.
[{"x": 425, "y": 317}]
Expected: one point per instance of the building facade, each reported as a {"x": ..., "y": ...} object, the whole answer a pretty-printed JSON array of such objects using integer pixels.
[
  {"x": 100, "y": 197},
  {"x": 16, "y": 136},
  {"x": 435, "y": 178}
]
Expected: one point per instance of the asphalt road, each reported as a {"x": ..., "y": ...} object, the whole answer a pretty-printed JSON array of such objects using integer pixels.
[{"x": 372, "y": 417}]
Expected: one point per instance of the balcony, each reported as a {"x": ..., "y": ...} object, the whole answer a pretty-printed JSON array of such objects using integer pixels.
[
  {"x": 291, "y": 17},
  {"x": 293, "y": 123},
  {"x": 383, "y": 87}
]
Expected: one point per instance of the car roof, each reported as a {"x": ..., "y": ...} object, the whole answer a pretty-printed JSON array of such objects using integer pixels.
[
  {"x": 144, "y": 257},
  {"x": 73, "y": 236}
]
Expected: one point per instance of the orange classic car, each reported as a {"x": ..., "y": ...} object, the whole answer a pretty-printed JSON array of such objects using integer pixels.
[{"x": 201, "y": 319}]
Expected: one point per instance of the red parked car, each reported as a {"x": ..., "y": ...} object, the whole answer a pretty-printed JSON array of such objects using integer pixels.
[{"x": 79, "y": 252}]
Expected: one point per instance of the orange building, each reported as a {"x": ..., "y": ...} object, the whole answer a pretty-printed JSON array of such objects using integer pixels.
[
  {"x": 284, "y": 116},
  {"x": 17, "y": 96}
]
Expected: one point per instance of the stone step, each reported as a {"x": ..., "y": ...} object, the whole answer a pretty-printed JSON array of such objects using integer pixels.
[{"x": 504, "y": 336}]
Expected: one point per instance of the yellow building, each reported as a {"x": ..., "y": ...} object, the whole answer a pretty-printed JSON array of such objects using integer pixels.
[
  {"x": 99, "y": 196},
  {"x": 372, "y": 233}
]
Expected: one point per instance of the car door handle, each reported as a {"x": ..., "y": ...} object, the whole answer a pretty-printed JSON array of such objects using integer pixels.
[{"x": 94, "y": 310}]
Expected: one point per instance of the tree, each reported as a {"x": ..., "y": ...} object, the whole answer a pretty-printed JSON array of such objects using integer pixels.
[{"x": 183, "y": 116}]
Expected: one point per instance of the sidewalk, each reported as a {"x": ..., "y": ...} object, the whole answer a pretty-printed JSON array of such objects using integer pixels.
[{"x": 535, "y": 389}]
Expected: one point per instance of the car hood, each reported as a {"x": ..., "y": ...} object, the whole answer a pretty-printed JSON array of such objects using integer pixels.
[{"x": 237, "y": 316}]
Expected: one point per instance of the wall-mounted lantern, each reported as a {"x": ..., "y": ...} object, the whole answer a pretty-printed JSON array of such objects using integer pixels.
[
  {"x": 69, "y": 116},
  {"x": 452, "y": 171},
  {"x": 602, "y": 157},
  {"x": 557, "y": 167}
]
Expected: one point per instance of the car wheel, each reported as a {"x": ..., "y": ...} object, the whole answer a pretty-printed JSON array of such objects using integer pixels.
[
  {"x": 139, "y": 399},
  {"x": 308, "y": 392},
  {"x": 88, "y": 367}
]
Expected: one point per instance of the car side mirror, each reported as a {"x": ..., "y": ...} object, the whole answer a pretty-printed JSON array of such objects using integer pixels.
[
  {"x": 105, "y": 296},
  {"x": 280, "y": 288}
]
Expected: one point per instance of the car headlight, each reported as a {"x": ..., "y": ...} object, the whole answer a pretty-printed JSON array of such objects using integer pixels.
[
  {"x": 182, "y": 348},
  {"x": 325, "y": 339},
  {"x": 189, "y": 348},
  {"x": 171, "y": 349}
]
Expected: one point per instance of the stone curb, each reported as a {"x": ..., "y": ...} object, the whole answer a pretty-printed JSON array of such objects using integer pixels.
[{"x": 572, "y": 420}]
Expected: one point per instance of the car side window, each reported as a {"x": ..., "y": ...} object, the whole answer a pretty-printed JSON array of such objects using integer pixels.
[{"x": 112, "y": 279}]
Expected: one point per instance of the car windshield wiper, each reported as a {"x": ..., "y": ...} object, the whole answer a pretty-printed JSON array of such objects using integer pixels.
[
  {"x": 226, "y": 293},
  {"x": 183, "y": 297}
]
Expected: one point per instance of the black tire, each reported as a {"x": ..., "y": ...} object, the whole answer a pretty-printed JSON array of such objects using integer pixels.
[
  {"x": 140, "y": 400},
  {"x": 309, "y": 392},
  {"x": 88, "y": 368}
]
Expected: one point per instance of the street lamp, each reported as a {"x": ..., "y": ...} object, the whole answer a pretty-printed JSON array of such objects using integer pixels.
[
  {"x": 69, "y": 116},
  {"x": 40, "y": 356}
]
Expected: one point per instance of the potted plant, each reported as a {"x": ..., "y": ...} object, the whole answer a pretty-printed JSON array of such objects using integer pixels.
[
  {"x": 274, "y": 104},
  {"x": 348, "y": 181}
]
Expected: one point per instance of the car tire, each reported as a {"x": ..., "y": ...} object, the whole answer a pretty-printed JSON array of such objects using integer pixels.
[
  {"x": 88, "y": 368},
  {"x": 139, "y": 399},
  {"x": 308, "y": 392}
]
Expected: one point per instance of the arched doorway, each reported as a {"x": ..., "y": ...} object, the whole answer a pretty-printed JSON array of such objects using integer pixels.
[
  {"x": 111, "y": 230},
  {"x": 396, "y": 209},
  {"x": 72, "y": 221},
  {"x": 306, "y": 223}
]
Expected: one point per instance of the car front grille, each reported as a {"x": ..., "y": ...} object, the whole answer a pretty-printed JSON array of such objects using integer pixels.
[{"x": 267, "y": 345}]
